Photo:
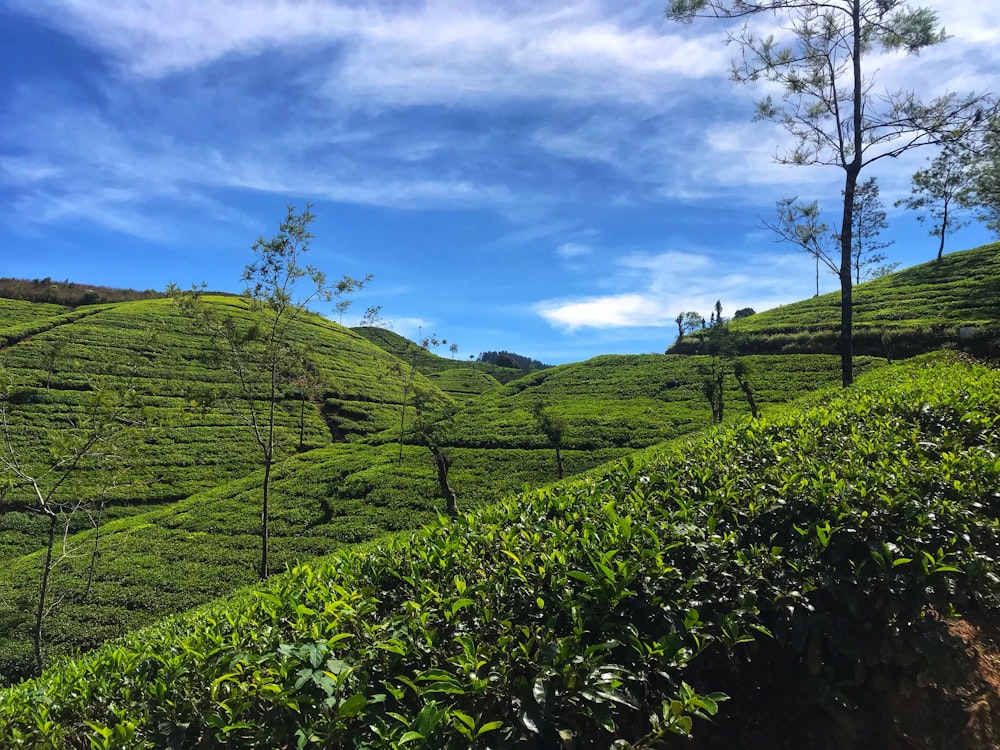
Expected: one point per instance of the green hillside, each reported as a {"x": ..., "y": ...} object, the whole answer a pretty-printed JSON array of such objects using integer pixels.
[
  {"x": 629, "y": 401},
  {"x": 788, "y": 563},
  {"x": 914, "y": 310},
  {"x": 182, "y": 554},
  {"x": 181, "y": 519},
  {"x": 179, "y": 516},
  {"x": 194, "y": 441},
  {"x": 17, "y": 312}
]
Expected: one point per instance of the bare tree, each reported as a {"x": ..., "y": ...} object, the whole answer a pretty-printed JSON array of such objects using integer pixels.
[
  {"x": 423, "y": 347},
  {"x": 93, "y": 439},
  {"x": 257, "y": 347},
  {"x": 799, "y": 224},
  {"x": 868, "y": 222},
  {"x": 433, "y": 429}
]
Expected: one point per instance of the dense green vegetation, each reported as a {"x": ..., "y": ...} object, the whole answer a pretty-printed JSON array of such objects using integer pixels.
[
  {"x": 173, "y": 557},
  {"x": 511, "y": 359},
  {"x": 463, "y": 383},
  {"x": 630, "y": 400},
  {"x": 15, "y": 312},
  {"x": 186, "y": 491},
  {"x": 789, "y": 562},
  {"x": 195, "y": 441},
  {"x": 646, "y": 576},
  {"x": 902, "y": 314}
]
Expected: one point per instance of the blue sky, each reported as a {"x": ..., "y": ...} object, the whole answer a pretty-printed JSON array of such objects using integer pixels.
[{"x": 554, "y": 178}]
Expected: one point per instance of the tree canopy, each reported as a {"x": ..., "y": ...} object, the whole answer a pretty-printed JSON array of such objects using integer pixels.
[{"x": 832, "y": 102}]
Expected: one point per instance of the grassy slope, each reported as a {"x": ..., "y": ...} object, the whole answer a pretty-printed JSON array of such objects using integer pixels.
[
  {"x": 911, "y": 311},
  {"x": 171, "y": 558},
  {"x": 16, "y": 312},
  {"x": 463, "y": 383},
  {"x": 582, "y": 609},
  {"x": 629, "y": 401},
  {"x": 963, "y": 289},
  {"x": 168, "y": 362}
]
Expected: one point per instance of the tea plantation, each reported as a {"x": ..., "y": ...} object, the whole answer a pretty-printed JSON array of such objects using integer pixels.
[
  {"x": 807, "y": 561},
  {"x": 181, "y": 520},
  {"x": 193, "y": 440},
  {"x": 905, "y": 313},
  {"x": 765, "y": 562}
]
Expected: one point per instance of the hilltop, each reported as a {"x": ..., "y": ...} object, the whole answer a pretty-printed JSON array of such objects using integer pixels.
[
  {"x": 915, "y": 310},
  {"x": 68, "y": 294}
]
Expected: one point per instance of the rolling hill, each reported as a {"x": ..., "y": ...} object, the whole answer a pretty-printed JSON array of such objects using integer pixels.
[
  {"x": 186, "y": 499},
  {"x": 762, "y": 563},
  {"x": 905, "y": 313},
  {"x": 889, "y": 471}
]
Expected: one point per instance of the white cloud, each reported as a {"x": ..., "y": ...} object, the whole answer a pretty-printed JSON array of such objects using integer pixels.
[
  {"x": 20, "y": 170},
  {"x": 407, "y": 53},
  {"x": 614, "y": 311},
  {"x": 573, "y": 250},
  {"x": 665, "y": 284},
  {"x": 635, "y": 96}
]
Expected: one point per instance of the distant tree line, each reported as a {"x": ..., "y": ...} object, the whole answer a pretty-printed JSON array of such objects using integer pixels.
[
  {"x": 68, "y": 293},
  {"x": 514, "y": 361}
]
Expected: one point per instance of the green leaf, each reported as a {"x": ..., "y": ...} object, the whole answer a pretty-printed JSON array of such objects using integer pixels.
[
  {"x": 353, "y": 705},
  {"x": 465, "y": 719},
  {"x": 489, "y": 727}
]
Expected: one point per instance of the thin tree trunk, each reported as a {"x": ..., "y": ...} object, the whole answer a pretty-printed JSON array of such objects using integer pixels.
[
  {"x": 268, "y": 462},
  {"x": 93, "y": 555},
  {"x": 402, "y": 413},
  {"x": 944, "y": 228},
  {"x": 43, "y": 591},
  {"x": 720, "y": 379},
  {"x": 559, "y": 463},
  {"x": 748, "y": 392},
  {"x": 853, "y": 169},
  {"x": 847, "y": 291},
  {"x": 443, "y": 464},
  {"x": 302, "y": 423},
  {"x": 264, "y": 518}
]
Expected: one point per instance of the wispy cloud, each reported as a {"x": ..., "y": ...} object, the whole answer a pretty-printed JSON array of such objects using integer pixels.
[
  {"x": 610, "y": 90},
  {"x": 405, "y": 52},
  {"x": 520, "y": 151}
]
